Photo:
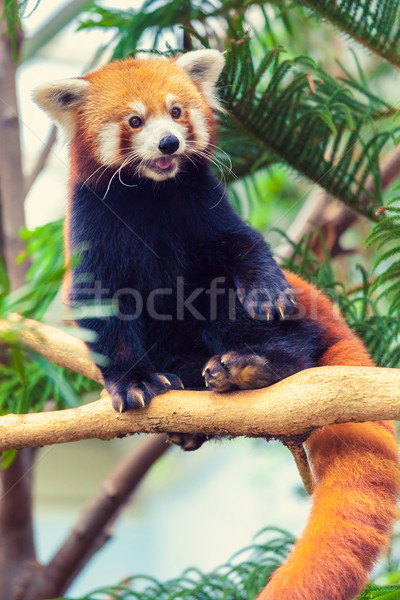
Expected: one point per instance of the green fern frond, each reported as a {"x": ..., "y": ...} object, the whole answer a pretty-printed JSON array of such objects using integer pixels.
[
  {"x": 378, "y": 328},
  {"x": 155, "y": 18},
  {"x": 324, "y": 133},
  {"x": 374, "y": 24},
  {"x": 241, "y": 579},
  {"x": 386, "y": 235}
]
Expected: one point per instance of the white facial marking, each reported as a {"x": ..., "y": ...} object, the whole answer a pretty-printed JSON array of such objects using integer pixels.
[
  {"x": 147, "y": 140},
  {"x": 199, "y": 125},
  {"x": 109, "y": 143},
  {"x": 139, "y": 109},
  {"x": 159, "y": 176},
  {"x": 170, "y": 101}
]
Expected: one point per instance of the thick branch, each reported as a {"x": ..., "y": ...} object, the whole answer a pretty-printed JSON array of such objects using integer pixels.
[
  {"x": 292, "y": 407},
  {"x": 53, "y": 344}
]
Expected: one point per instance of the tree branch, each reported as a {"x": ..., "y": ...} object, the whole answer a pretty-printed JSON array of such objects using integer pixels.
[
  {"x": 53, "y": 344},
  {"x": 69, "y": 352},
  {"x": 42, "y": 160},
  {"x": 292, "y": 407}
]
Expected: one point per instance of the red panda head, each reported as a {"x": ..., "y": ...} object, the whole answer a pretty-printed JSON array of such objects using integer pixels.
[{"x": 146, "y": 115}]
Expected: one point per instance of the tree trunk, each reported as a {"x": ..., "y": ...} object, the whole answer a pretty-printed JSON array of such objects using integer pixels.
[
  {"x": 11, "y": 176},
  {"x": 17, "y": 550}
]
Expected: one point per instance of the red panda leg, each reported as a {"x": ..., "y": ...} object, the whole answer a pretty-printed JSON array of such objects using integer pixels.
[{"x": 355, "y": 466}]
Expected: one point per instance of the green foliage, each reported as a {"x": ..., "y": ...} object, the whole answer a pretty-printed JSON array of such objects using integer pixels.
[
  {"x": 288, "y": 110},
  {"x": 366, "y": 315},
  {"x": 386, "y": 592},
  {"x": 44, "y": 250},
  {"x": 241, "y": 578},
  {"x": 158, "y": 18},
  {"x": 28, "y": 380},
  {"x": 261, "y": 197},
  {"x": 355, "y": 17},
  {"x": 11, "y": 15},
  {"x": 386, "y": 235}
]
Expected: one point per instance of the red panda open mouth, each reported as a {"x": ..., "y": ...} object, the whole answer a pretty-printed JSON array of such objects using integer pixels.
[{"x": 164, "y": 164}]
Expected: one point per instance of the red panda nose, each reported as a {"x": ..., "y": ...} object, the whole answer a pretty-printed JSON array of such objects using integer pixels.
[{"x": 169, "y": 144}]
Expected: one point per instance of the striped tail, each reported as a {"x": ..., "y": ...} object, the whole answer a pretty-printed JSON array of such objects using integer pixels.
[{"x": 355, "y": 466}]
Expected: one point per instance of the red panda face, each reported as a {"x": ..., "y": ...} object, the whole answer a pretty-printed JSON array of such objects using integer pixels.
[{"x": 149, "y": 116}]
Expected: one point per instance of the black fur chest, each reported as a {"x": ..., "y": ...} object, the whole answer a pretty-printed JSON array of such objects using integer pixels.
[{"x": 149, "y": 235}]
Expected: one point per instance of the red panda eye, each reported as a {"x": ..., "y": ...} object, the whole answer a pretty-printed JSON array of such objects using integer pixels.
[
  {"x": 176, "y": 112},
  {"x": 135, "y": 122}
]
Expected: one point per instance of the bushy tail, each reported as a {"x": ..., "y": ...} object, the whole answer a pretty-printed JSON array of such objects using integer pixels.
[{"x": 355, "y": 466}]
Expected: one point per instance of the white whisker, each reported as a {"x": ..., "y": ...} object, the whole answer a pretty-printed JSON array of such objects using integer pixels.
[{"x": 209, "y": 156}]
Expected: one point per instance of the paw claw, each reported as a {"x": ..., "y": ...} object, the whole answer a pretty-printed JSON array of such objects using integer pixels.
[
  {"x": 127, "y": 394},
  {"x": 164, "y": 379},
  {"x": 234, "y": 370},
  {"x": 118, "y": 403},
  {"x": 268, "y": 302}
]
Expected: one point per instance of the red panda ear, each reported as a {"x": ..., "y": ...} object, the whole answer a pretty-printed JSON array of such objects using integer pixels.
[
  {"x": 61, "y": 99},
  {"x": 204, "y": 67}
]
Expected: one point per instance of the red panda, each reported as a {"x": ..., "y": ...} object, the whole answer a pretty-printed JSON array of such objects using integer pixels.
[{"x": 200, "y": 298}]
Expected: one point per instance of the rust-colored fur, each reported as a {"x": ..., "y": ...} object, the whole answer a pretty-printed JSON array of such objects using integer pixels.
[{"x": 355, "y": 466}]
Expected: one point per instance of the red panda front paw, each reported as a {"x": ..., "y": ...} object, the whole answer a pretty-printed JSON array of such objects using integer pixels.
[
  {"x": 234, "y": 370},
  {"x": 137, "y": 394},
  {"x": 268, "y": 302}
]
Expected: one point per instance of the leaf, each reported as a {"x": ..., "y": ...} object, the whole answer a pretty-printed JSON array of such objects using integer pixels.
[
  {"x": 355, "y": 18},
  {"x": 65, "y": 390},
  {"x": 326, "y": 135},
  {"x": 7, "y": 458},
  {"x": 242, "y": 578}
]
